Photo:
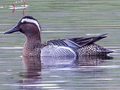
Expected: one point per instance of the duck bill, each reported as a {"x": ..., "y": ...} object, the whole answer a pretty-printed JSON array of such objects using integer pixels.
[{"x": 15, "y": 29}]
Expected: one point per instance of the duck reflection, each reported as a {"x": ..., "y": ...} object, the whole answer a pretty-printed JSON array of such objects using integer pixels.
[
  {"x": 58, "y": 62},
  {"x": 91, "y": 60},
  {"x": 32, "y": 64},
  {"x": 32, "y": 77}
]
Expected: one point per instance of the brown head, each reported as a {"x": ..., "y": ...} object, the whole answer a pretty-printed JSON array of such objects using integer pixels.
[{"x": 31, "y": 28}]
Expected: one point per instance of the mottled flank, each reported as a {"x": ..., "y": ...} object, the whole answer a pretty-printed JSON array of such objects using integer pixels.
[{"x": 93, "y": 49}]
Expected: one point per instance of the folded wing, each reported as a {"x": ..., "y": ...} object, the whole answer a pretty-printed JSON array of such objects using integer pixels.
[{"x": 76, "y": 42}]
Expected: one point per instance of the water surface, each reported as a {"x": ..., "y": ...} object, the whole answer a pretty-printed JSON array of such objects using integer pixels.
[{"x": 61, "y": 19}]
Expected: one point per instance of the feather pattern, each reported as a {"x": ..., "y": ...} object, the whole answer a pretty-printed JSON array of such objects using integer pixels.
[{"x": 80, "y": 45}]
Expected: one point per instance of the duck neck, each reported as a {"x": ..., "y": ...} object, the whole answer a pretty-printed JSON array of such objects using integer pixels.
[{"x": 32, "y": 45}]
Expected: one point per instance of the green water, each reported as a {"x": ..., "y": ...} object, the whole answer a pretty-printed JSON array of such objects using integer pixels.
[{"x": 61, "y": 19}]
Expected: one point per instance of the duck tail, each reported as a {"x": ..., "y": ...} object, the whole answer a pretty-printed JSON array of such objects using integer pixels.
[{"x": 99, "y": 37}]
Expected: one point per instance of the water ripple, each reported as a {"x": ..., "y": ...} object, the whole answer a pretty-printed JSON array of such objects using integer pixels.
[{"x": 11, "y": 47}]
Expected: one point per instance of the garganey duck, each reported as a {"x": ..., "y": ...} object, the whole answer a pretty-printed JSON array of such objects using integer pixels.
[{"x": 77, "y": 46}]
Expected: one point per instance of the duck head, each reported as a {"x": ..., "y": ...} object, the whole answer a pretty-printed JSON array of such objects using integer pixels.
[
  {"x": 26, "y": 25},
  {"x": 31, "y": 28}
]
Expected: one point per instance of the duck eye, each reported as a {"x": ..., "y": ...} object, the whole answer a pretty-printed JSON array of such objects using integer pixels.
[{"x": 21, "y": 31}]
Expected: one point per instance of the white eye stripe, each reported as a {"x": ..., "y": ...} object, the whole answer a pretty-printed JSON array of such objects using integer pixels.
[{"x": 31, "y": 21}]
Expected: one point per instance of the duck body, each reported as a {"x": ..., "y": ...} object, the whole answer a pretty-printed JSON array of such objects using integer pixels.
[
  {"x": 79, "y": 46},
  {"x": 72, "y": 47}
]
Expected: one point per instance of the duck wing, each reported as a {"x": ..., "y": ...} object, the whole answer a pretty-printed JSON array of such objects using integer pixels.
[
  {"x": 76, "y": 42},
  {"x": 83, "y": 41}
]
